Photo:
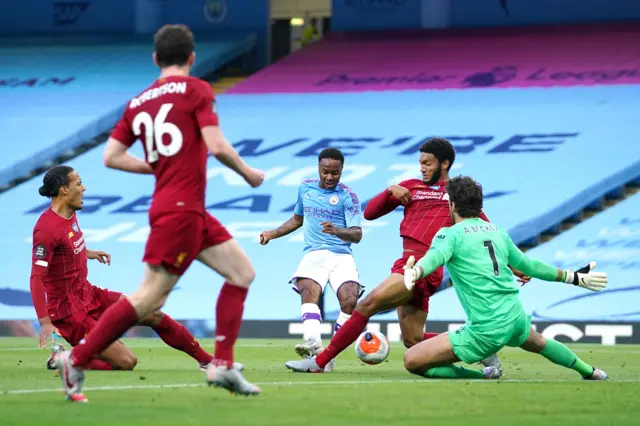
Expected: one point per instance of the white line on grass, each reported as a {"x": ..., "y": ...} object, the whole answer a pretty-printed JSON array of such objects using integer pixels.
[
  {"x": 299, "y": 383},
  {"x": 602, "y": 349},
  {"x": 163, "y": 345}
]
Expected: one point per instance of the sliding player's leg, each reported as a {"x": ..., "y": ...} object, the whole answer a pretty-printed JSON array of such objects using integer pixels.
[
  {"x": 559, "y": 354},
  {"x": 390, "y": 294},
  {"x": 124, "y": 314},
  {"x": 177, "y": 336},
  {"x": 435, "y": 358},
  {"x": 225, "y": 256}
]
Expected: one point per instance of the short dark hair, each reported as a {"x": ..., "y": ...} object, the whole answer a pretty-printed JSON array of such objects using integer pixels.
[
  {"x": 441, "y": 149},
  {"x": 55, "y": 178},
  {"x": 174, "y": 44},
  {"x": 466, "y": 193},
  {"x": 333, "y": 153}
]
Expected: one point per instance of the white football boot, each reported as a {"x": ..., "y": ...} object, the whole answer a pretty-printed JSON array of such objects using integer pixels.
[{"x": 230, "y": 379}]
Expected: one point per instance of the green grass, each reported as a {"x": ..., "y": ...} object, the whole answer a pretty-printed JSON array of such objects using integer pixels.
[{"x": 168, "y": 389}]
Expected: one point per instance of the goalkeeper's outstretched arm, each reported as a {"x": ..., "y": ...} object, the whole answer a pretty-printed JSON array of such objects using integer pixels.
[{"x": 583, "y": 277}]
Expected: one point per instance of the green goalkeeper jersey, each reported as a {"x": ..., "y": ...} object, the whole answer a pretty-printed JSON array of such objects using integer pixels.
[{"x": 477, "y": 255}]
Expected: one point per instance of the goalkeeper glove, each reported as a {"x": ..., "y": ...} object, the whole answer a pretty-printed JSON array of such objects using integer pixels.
[
  {"x": 586, "y": 278},
  {"x": 412, "y": 273}
]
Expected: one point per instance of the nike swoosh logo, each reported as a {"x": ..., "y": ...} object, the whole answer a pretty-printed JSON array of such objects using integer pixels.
[{"x": 582, "y": 279}]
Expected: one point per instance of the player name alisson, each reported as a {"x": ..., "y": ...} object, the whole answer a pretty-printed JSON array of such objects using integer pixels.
[{"x": 166, "y": 88}]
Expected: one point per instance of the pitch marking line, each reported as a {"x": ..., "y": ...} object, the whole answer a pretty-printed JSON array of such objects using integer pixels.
[{"x": 297, "y": 383}]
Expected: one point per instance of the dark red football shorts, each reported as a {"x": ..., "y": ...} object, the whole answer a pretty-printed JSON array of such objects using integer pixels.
[
  {"x": 76, "y": 326},
  {"x": 425, "y": 287},
  {"x": 176, "y": 239}
]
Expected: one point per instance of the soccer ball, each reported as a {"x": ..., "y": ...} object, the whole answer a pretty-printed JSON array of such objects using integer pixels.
[{"x": 372, "y": 347}]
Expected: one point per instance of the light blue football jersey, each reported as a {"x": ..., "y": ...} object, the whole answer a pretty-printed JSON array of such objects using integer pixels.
[{"x": 339, "y": 206}]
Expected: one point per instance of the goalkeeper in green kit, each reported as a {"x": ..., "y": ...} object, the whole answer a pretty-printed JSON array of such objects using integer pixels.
[{"x": 476, "y": 254}]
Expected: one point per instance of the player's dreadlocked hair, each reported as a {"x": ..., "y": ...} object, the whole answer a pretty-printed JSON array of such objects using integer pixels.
[
  {"x": 174, "y": 45},
  {"x": 466, "y": 193},
  {"x": 333, "y": 153},
  {"x": 56, "y": 177},
  {"x": 441, "y": 149}
]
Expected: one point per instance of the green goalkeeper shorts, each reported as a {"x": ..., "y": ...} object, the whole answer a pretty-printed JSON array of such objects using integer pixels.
[{"x": 471, "y": 345}]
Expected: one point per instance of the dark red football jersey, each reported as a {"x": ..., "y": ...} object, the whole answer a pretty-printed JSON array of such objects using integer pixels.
[
  {"x": 59, "y": 258},
  {"x": 427, "y": 212},
  {"x": 167, "y": 118}
]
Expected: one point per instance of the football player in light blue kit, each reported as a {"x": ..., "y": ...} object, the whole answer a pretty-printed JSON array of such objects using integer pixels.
[{"x": 329, "y": 213}]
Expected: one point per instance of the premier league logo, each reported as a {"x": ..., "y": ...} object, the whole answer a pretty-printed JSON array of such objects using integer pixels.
[
  {"x": 75, "y": 227},
  {"x": 215, "y": 10}
]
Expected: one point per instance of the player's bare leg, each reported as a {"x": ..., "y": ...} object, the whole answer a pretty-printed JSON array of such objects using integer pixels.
[
  {"x": 412, "y": 321},
  {"x": 310, "y": 293},
  {"x": 229, "y": 260},
  {"x": 156, "y": 285},
  {"x": 434, "y": 358},
  {"x": 348, "y": 294},
  {"x": 390, "y": 294},
  {"x": 119, "y": 356},
  {"x": 559, "y": 354}
]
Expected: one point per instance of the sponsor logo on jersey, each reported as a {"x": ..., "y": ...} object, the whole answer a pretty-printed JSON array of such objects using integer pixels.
[{"x": 41, "y": 252}]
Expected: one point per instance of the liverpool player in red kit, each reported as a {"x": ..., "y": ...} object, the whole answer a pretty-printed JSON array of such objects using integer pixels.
[
  {"x": 64, "y": 299},
  {"x": 175, "y": 120},
  {"x": 426, "y": 210}
]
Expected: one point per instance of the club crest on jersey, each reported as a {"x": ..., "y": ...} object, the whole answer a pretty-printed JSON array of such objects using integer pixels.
[
  {"x": 333, "y": 200},
  {"x": 321, "y": 197},
  {"x": 75, "y": 227},
  {"x": 70, "y": 234},
  {"x": 445, "y": 197}
]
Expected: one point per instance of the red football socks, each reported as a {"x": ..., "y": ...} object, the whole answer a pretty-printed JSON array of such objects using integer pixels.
[
  {"x": 115, "y": 321},
  {"x": 228, "y": 321},
  {"x": 178, "y": 337},
  {"x": 98, "y": 364},
  {"x": 345, "y": 336}
]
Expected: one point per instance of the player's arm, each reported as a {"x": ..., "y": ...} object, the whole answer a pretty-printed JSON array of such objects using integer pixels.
[
  {"x": 353, "y": 216},
  {"x": 296, "y": 221},
  {"x": 217, "y": 143},
  {"x": 117, "y": 157},
  {"x": 41, "y": 255},
  {"x": 286, "y": 228},
  {"x": 349, "y": 235},
  {"x": 583, "y": 277},
  {"x": 386, "y": 202},
  {"x": 441, "y": 250}
]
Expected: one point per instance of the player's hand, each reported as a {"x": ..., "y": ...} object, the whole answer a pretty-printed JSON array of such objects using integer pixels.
[
  {"x": 99, "y": 255},
  {"x": 401, "y": 193},
  {"x": 586, "y": 278},
  {"x": 46, "y": 332},
  {"x": 328, "y": 228},
  {"x": 266, "y": 236},
  {"x": 522, "y": 278},
  {"x": 254, "y": 177},
  {"x": 412, "y": 273}
]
